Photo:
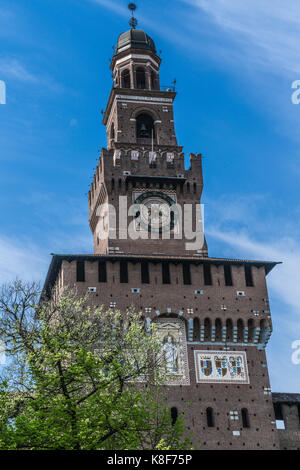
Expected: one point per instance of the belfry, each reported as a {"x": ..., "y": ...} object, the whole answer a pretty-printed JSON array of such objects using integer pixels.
[{"x": 150, "y": 251}]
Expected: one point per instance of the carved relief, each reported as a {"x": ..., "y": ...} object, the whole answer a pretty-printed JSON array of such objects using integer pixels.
[{"x": 174, "y": 351}]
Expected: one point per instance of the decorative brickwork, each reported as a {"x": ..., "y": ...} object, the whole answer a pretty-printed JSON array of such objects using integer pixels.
[{"x": 213, "y": 314}]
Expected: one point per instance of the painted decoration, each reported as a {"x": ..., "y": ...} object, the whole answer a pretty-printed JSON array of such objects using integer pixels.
[{"x": 221, "y": 367}]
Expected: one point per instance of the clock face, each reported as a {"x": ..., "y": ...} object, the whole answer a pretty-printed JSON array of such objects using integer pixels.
[{"x": 154, "y": 212}]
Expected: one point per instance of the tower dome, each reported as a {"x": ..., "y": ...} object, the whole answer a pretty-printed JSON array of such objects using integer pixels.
[{"x": 134, "y": 39}]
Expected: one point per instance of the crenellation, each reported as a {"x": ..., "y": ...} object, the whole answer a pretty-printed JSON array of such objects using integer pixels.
[{"x": 220, "y": 306}]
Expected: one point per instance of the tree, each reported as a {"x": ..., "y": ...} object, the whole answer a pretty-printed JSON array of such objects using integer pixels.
[{"x": 80, "y": 377}]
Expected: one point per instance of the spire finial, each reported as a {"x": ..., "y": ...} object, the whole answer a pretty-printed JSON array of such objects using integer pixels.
[{"x": 133, "y": 21}]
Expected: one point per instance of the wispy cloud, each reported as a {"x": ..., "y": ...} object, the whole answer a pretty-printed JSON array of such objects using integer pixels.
[
  {"x": 254, "y": 228},
  {"x": 113, "y": 6},
  {"x": 244, "y": 230},
  {"x": 267, "y": 32},
  {"x": 285, "y": 279},
  {"x": 264, "y": 34},
  {"x": 29, "y": 260},
  {"x": 22, "y": 259},
  {"x": 13, "y": 68}
]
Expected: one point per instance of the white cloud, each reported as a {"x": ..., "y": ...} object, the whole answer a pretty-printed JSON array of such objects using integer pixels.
[
  {"x": 13, "y": 68},
  {"x": 255, "y": 226},
  {"x": 21, "y": 259},
  {"x": 250, "y": 227},
  {"x": 285, "y": 279},
  {"x": 268, "y": 32}
]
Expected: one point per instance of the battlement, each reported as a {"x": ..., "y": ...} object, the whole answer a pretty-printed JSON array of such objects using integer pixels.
[{"x": 160, "y": 168}]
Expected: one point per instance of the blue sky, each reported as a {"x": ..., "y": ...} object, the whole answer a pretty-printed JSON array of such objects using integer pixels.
[{"x": 234, "y": 62}]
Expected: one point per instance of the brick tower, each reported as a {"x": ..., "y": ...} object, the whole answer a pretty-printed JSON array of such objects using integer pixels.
[{"x": 213, "y": 313}]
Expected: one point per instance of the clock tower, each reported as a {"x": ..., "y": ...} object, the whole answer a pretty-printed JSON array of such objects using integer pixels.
[
  {"x": 213, "y": 314},
  {"x": 142, "y": 199}
]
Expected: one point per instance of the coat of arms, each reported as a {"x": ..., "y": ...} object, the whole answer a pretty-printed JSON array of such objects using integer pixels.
[
  {"x": 235, "y": 364},
  {"x": 221, "y": 365},
  {"x": 206, "y": 366}
]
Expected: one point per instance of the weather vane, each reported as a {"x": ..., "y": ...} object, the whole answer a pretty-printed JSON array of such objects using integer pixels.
[{"x": 133, "y": 21}]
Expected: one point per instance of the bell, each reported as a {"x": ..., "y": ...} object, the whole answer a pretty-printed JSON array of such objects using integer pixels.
[{"x": 144, "y": 131}]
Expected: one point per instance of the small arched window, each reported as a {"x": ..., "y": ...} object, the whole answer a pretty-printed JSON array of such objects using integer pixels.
[
  {"x": 250, "y": 330},
  {"x": 218, "y": 325},
  {"x": 210, "y": 417},
  {"x": 126, "y": 83},
  {"x": 145, "y": 126},
  {"x": 262, "y": 325},
  {"x": 245, "y": 418},
  {"x": 140, "y": 78},
  {"x": 229, "y": 326},
  {"x": 196, "y": 329},
  {"x": 174, "y": 415},
  {"x": 240, "y": 330},
  {"x": 207, "y": 329}
]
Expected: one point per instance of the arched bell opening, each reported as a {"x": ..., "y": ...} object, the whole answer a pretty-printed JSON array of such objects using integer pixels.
[
  {"x": 125, "y": 79},
  {"x": 145, "y": 127},
  {"x": 140, "y": 75}
]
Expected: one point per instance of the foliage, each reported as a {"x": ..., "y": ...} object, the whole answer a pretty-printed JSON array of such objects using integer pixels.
[{"x": 79, "y": 377}]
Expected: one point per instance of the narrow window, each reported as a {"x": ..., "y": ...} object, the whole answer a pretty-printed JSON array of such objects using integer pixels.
[
  {"x": 80, "y": 277},
  {"x": 218, "y": 330},
  {"x": 145, "y": 272},
  {"x": 210, "y": 417},
  {"x": 207, "y": 329},
  {"x": 123, "y": 271},
  {"x": 166, "y": 273},
  {"x": 245, "y": 418},
  {"x": 207, "y": 274},
  {"x": 280, "y": 424},
  {"x": 240, "y": 330},
  {"x": 102, "y": 275},
  {"x": 112, "y": 132},
  {"x": 227, "y": 275},
  {"x": 186, "y": 272},
  {"x": 248, "y": 276},
  {"x": 174, "y": 415},
  {"x": 278, "y": 411}
]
